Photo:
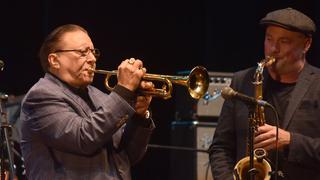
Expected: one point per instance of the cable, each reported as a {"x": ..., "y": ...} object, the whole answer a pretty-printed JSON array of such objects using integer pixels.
[
  {"x": 277, "y": 139},
  {"x": 207, "y": 171}
]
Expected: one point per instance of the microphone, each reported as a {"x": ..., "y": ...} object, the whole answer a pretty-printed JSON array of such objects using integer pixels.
[
  {"x": 1, "y": 65},
  {"x": 229, "y": 93}
]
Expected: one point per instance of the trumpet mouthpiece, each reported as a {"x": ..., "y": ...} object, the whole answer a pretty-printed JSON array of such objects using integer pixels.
[{"x": 91, "y": 70}]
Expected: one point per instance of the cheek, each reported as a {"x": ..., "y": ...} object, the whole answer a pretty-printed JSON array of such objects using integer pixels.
[
  {"x": 71, "y": 64},
  {"x": 267, "y": 47},
  {"x": 294, "y": 53}
]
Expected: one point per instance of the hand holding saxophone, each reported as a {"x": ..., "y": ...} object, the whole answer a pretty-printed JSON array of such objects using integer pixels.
[{"x": 265, "y": 137}]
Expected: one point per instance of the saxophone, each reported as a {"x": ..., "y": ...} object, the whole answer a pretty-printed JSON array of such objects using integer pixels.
[{"x": 262, "y": 167}]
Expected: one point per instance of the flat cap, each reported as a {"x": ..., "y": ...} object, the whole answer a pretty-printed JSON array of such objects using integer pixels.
[{"x": 290, "y": 19}]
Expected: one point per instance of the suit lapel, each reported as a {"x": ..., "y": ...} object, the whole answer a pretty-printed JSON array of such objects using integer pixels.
[
  {"x": 97, "y": 99},
  {"x": 81, "y": 107},
  {"x": 303, "y": 84},
  {"x": 84, "y": 108}
]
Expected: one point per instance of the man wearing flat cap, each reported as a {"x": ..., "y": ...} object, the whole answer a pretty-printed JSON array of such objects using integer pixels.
[{"x": 292, "y": 87}]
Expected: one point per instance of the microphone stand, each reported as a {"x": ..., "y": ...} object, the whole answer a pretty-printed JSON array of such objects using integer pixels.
[
  {"x": 177, "y": 148},
  {"x": 5, "y": 144},
  {"x": 252, "y": 170}
]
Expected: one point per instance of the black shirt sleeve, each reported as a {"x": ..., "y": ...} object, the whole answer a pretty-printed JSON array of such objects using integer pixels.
[{"x": 126, "y": 94}]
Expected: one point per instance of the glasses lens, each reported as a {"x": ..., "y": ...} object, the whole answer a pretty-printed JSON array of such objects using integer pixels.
[
  {"x": 96, "y": 52},
  {"x": 83, "y": 53}
]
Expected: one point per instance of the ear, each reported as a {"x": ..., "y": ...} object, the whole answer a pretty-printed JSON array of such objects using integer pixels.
[
  {"x": 307, "y": 44},
  {"x": 53, "y": 61}
]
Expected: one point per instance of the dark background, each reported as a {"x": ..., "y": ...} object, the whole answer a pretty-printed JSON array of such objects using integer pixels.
[{"x": 168, "y": 35}]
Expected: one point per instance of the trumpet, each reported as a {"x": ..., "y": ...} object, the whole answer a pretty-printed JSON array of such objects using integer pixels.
[{"x": 197, "y": 82}]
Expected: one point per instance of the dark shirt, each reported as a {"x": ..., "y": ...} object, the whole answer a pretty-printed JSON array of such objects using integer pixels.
[{"x": 278, "y": 95}]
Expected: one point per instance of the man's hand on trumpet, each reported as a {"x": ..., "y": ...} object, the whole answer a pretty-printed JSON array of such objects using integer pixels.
[
  {"x": 130, "y": 73},
  {"x": 143, "y": 101}
]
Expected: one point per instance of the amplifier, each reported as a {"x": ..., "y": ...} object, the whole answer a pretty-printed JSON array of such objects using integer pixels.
[
  {"x": 191, "y": 164},
  {"x": 191, "y": 109},
  {"x": 212, "y": 107}
]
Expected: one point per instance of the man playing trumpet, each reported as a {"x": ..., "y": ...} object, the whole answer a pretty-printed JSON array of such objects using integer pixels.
[{"x": 72, "y": 130}]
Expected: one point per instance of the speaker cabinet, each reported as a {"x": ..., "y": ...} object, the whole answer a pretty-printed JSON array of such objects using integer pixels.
[
  {"x": 212, "y": 107},
  {"x": 189, "y": 160},
  {"x": 188, "y": 108}
]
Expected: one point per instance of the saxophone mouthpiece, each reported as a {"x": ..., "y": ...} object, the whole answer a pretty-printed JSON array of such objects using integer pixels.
[{"x": 270, "y": 60}]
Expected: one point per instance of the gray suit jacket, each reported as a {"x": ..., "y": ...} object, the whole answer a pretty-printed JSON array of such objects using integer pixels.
[
  {"x": 63, "y": 138},
  {"x": 302, "y": 160}
]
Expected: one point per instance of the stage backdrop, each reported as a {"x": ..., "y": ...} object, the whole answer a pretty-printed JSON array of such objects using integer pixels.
[{"x": 169, "y": 36}]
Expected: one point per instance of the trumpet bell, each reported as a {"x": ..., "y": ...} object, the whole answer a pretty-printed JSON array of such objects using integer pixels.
[{"x": 198, "y": 82}]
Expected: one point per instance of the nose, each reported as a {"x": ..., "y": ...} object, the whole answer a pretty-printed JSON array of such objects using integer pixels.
[
  {"x": 274, "y": 47},
  {"x": 91, "y": 57}
]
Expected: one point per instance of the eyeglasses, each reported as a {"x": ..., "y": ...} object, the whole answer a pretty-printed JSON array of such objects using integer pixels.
[{"x": 83, "y": 52}]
